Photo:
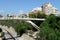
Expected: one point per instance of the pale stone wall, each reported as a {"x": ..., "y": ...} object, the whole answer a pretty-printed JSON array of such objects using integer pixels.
[{"x": 27, "y": 37}]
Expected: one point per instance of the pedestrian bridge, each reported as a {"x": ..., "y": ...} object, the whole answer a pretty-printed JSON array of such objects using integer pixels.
[
  {"x": 25, "y": 19},
  {"x": 18, "y": 18}
]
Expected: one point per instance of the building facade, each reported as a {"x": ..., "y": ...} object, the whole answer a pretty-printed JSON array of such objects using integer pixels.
[{"x": 47, "y": 8}]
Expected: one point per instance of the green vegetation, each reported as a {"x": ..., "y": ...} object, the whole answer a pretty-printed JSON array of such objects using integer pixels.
[
  {"x": 22, "y": 26},
  {"x": 19, "y": 26},
  {"x": 1, "y": 15},
  {"x": 50, "y": 29},
  {"x": 37, "y": 15}
]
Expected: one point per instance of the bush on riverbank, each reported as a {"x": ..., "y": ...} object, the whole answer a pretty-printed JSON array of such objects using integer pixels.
[
  {"x": 19, "y": 26},
  {"x": 50, "y": 29}
]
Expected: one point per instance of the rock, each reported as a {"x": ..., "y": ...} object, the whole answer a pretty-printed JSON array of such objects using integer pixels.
[{"x": 27, "y": 37}]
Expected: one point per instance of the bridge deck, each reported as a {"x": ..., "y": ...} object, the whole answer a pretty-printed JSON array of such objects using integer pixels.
[{"x": 17, "y": 18}]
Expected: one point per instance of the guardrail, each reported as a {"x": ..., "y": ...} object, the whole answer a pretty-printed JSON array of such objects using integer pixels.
[{"x": 18, "y": 18}]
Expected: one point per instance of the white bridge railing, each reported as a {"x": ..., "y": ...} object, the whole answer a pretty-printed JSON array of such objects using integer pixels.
[
  {"x": 34, "y": 25},
  {"x": 18, "y": 18}
]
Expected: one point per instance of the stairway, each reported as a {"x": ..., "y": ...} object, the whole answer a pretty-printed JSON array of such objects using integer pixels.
[{"x": 34, "y": 25}]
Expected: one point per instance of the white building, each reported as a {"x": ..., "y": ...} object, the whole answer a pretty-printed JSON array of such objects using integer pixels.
[
  {"x": 47, "y": 8},
  {"x": 36, "y": 10}
]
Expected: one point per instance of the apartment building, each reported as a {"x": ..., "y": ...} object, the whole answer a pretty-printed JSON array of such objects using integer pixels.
[{"x": 47, "y": 8}]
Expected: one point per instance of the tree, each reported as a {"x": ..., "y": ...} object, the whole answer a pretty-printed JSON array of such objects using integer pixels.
[
  {"x": 49, "y": 29},
  {"x": 37, "y": 15},
  {"x": 1, "y": 16},
  {"x": 21, "y": 26}
]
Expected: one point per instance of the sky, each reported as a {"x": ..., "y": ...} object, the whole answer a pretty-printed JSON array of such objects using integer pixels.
[{"x": 18, "y": 6}]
